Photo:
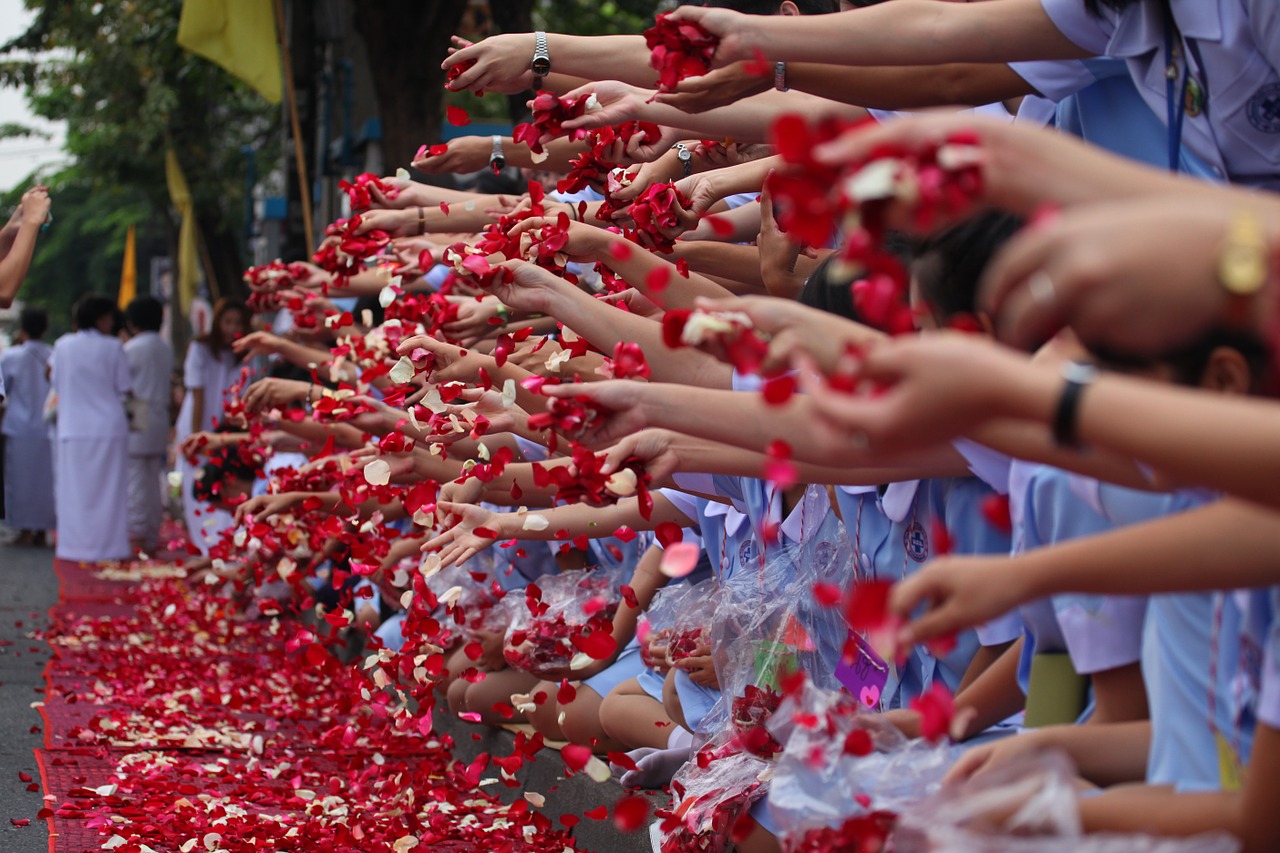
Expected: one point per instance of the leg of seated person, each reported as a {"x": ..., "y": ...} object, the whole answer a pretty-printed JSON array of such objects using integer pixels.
[
  {"x": 671, "y": 701},
  {"x": 546, "y": 716},
  {"x": 580, "y": 722},
  {"x": 635, "y": 719},
  {"x": 495, "y": 691}
]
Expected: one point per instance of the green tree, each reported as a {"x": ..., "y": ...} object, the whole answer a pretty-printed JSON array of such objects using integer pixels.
[{"x": 116, "y": 75}]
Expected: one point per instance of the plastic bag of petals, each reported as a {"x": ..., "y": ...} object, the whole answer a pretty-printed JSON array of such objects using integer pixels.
[
  {"x": 844, "y": 774},
  {"x": 565, "y": 623},
  {"x": 1034, "y": 801},
  {"x": 769, "y": 634},
  {"x": 654, "y": 630},
  {"x": 710, "y": 795},
  {"x": 691, "y": 623},
  {"x": 679, "y": 49}
]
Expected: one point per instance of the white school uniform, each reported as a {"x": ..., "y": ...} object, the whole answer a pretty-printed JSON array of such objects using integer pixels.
[
  {"x": 1238, "y": 43},
  {"x": 151, "y": 371},
  {"x": 28, "y": 452},
  {"x": 91, "y": 378},
  {"x": 210, "y": 376}
]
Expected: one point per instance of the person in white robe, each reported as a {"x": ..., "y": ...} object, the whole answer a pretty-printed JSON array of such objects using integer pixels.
[
  {"x": 210, "y": 369},
  {"x": 28, "y": 452},
  {"x": 90, "y": 375},
  {"x": 151, "y": 374}
]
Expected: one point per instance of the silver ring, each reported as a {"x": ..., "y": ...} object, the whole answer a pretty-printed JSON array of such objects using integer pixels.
[{"x": 1041, "y": 288}]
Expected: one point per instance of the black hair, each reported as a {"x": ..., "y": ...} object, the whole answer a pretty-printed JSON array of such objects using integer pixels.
[
  {"x": 91, "y": 308},
  {"x": 145, "y": 314},
  {"x": 770, "y": 7},
  {"x": 1187, "y": 364},
  {"x": 222, "y": 467},
  {"x": 948, "y": 266},
  {"x": 34, "y": 321},
  {"x": 828, "y": 289}
]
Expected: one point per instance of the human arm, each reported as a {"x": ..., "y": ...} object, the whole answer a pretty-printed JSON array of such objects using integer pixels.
[
  {"x": 1167, "y": 554},
  {"x": 994, "y": 31},
  {"x": 502, "y": 61},
  {"x": 884, "y": 88},
  {"x": 16, "y": 262}
]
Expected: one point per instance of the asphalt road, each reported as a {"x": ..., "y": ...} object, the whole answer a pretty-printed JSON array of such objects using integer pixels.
[{"x": 28, "y": 589}]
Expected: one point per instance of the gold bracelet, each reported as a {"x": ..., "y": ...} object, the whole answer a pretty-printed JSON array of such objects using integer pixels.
[{"x": 1243, "y": 268}]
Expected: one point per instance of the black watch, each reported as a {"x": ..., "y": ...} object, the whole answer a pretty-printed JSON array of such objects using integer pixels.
[{"x": 541, "y": 62}]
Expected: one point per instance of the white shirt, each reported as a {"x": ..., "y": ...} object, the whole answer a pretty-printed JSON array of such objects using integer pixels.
[
  {"x": 1238, "y": 134},
  {"x": 22, "y": 370},
  {"x": 213, "y": 376},
  {"x": 150, "y": 361},
  {"x": 91, "y": 376}
]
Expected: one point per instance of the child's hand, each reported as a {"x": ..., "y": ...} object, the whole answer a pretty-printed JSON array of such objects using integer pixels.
[
  {"x": 701, "y": 667},
  {"x": 959, "y": 592}
]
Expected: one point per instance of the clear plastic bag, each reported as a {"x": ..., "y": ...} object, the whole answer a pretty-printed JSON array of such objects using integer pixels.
[
  {"x": 767, "y": 630},
  {"x": 691, "y": 620},
  {"x": 654, "y": 632},
  {"x": 710, "y": 794},
  {"x": 564, "y": 623},
  {"x": 1027, "y": 806},
  {"x": 844, "y": 773}
]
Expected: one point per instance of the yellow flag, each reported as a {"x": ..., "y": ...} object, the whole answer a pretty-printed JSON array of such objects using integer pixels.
[
  {"x": 239, "y": 35},
  {"x": 188, "y": 273},
  {"x": 129, "y": 270}
]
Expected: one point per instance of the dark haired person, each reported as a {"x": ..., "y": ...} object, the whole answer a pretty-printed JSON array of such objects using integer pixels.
[
  {"x": 28, "y": 453},
  {"x": 211, "y": 367},
  {"x": 150, "y": 368},
  {"x": 91, "y": 378}
]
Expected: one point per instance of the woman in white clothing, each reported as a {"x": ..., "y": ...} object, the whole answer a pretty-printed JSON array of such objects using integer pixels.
[
  {"x": 210, "y": 369},
  {"x": 28, "y": 452},
  {"x": 91, "y": 378}
]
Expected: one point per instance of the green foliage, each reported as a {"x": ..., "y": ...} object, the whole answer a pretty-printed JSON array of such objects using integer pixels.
[
  {"x": 588, "y": 18},
  {"x": 113, "y": 71},
  {"x": 83, "y": 248}
]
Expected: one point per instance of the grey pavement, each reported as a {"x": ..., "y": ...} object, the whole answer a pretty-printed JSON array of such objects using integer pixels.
[{"x": 30, "y": 589}]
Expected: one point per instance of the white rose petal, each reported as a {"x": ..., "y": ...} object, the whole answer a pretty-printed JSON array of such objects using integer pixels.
[
  {"x": 386, "y": 296},
  {"x": 622, "y": 483},
  {"x": 535, "y": 799},
  {"x": 377, "y": 473},
  {"x": 402, "y": 372},
  {"x": 598, "y": 770},
  {"x": 508, "y": 393},
  {"x": 876, "y": 180},
  {"x": 402, "y": 173},
  {"x": 535, "y": 522}
]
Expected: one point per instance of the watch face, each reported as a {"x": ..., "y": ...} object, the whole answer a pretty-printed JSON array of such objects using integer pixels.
[
  {"x": 541, "y": 66},
  {"x": 684, "y": 154},
  {"x": 497, "y": 163}
]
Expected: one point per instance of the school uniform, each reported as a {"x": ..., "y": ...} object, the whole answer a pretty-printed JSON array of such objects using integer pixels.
[
  {"x": 91, "y": 378},
  {"x": 151, "y": 372},
  {"x": 1097, "y": 101},
  {"x": 28, "y": 452},
  {"x": 210, "y": 376},
  {"x": 1227, "y": 52}
]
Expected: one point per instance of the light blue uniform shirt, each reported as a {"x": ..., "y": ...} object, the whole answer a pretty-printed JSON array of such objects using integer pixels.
[{"x": 1238, "y": 133}]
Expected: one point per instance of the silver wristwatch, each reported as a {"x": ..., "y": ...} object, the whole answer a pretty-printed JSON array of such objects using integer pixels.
[
  {"x": 540, "y": 65},
  {"x": 497, "y": 160},
  {"x": 685, "y": 156}
]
